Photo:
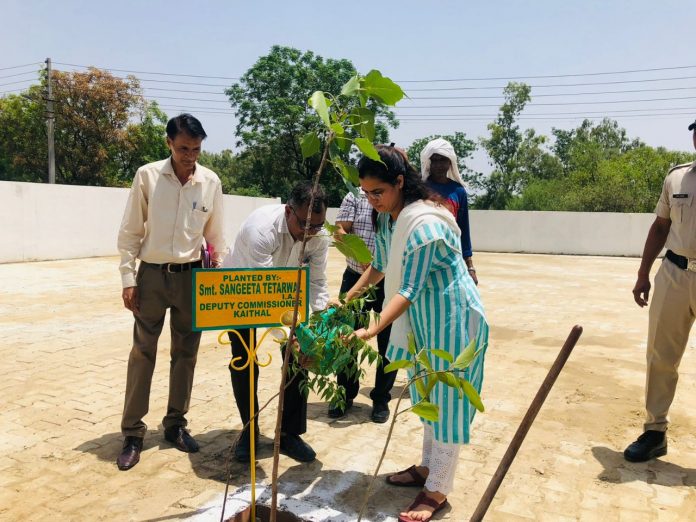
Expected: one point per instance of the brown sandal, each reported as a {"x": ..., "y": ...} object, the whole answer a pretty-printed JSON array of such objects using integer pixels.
[
  {"x": 423, "y": 499},
  {"x": 417, "y": 480}
]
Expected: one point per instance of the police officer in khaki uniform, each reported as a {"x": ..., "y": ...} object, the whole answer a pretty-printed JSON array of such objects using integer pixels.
[{"x": 673, "y": 302}]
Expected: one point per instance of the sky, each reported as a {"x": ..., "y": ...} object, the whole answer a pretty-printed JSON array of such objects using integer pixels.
[{"x": 561, "y": 48}]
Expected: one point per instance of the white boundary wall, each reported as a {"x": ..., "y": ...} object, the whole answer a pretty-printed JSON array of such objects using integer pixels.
[
  {"x": 579, "y": 233},
  {"x": 66, "y": 221},
  {"x": 44, "y": 222}
]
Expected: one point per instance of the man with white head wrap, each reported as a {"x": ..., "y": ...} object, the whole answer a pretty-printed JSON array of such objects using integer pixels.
[{"x": 440, "y": 172}]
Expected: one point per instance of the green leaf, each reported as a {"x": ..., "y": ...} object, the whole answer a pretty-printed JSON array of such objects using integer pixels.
[
  {"x": 464, "y": 359},
  {"x": 343, "y": 143},
  {"x": 364, "y": 119},
  {"x": 320, "y": 104},
  {"x": 367, "y": 148},
  {"x": 354, "y": 247},
  {"x": 350, "y": 172},
  {"x": 472, "y": 394},
  {"x": 382, "y": 88},
  {"x": 448, "y": 379},
  {"x": 411, "y": 344},
  {"x": 352, "y": 188},
  {"x": 420, "y": 386},
  {"x": 310, "y": 144},
  {"x": 330, "y": 228},
  {"x": 427, "y": 411},
  {"x": 429, "y": 385},
  {"x": 351, "y": 86},
  {"x": 338, "y": 129},
  {"x": 422, "y": 358},
  {"x": 362, "y": 95},
  {"x": 397, "y": 365},
  {"x": 442, "y": 354}
]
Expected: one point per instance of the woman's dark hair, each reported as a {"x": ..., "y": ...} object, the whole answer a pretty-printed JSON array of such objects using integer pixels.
[
  {"x": 187, "y": 124},
  {"x": 395, "y": 163}
]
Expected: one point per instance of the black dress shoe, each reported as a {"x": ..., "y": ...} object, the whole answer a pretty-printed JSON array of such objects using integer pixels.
[
  {"x": 336, "y": 412},
  {"x": 380, "y": 412},
  {"x": 130, "y": 454},
  {"x": 181, "y": 439},
  {"x": 294, "y": 447},
  {"x": 649, "y": 445},
  {"x": 242, "y": 449}
]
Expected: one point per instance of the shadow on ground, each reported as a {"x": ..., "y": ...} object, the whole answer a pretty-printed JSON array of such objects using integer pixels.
[{"x": 619, "y": 471}]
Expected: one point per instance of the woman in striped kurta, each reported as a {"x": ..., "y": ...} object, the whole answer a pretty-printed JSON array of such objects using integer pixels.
[{"x": 418, "y": 247}]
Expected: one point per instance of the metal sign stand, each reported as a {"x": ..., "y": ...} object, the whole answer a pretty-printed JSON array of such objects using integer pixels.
[{"x": 235, "y": 366}]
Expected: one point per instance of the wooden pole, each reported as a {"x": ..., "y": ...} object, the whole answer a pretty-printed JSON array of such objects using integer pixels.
[{"x": 526, "y": 423}]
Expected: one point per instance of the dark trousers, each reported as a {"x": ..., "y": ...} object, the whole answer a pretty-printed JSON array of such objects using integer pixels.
[
  {"x": 295, "y": 403},
  {"x": 383, "y": 381}
]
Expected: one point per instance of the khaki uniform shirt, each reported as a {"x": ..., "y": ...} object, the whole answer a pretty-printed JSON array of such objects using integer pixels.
[
  {"x": 677, "y": 204},
  {"x": 165, "y": 221}
]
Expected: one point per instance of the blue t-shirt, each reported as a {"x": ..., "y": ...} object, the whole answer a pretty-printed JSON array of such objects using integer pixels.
[{"x": 456, "y": 200}]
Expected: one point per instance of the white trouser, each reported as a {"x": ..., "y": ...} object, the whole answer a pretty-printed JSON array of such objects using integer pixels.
[{"x": 441, "y": 460}]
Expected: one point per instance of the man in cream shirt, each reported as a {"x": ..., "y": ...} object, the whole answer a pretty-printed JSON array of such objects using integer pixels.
[{"x": 173, "y": 205}]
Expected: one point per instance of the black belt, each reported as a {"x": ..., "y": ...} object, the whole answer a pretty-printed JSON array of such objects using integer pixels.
[
  {"x": 681, "y": 261},
  {"x": 176, "y": 267}
]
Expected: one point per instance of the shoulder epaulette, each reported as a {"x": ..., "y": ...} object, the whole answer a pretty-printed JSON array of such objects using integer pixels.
[{"x": 680, "y": 166}]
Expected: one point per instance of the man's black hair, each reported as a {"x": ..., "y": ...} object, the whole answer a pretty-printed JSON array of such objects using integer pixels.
[
  {"x": 301, "y": 194},
  {"x": 185, "y": 123}
]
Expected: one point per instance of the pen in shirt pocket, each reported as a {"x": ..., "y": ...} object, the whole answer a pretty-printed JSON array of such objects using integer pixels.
[{"x": 194, "y": 205}]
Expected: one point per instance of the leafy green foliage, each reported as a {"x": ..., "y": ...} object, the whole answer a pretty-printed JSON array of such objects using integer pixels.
[
  {"x": 426, "y": 410},
  {"x": 310, "y": 145},
  {"x": 397, "y": 365},
  {"x": 424, "y": 377},
  {"x": 353, "y": 247},
  {"x": 515, "y": 155},
  {"x": 603, "y": 171},
  {"x": 104, "y": 130},
  {"x": 327, "y": 342},
  {"x": 471, "y": 394},
  {"x": 273, "y": 102},
  {"x": 465, "y": 358}
]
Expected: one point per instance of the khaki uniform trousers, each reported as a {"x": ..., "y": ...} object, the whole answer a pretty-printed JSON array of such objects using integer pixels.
[
  {"x": 671, "y": 317},
  {"x": 157, "y": 291}
]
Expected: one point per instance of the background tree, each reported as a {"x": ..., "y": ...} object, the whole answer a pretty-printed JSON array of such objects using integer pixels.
[
  {"x": 270, "y": 102},
  {"x": 584, "y": 147},
  {"x": 516, "y": 156},
  {"x": 23, "y": 146},
  {"x": 104, "y": 130},
  {"x": 93, "y": 109},
  {"x": 628, "y": 182},
  {"x": 144, "y": 141}
]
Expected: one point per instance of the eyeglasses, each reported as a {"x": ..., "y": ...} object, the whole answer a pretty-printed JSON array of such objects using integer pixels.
[
  {"x": 374, "y": 194},
  {"x": 303, "y": 224}
]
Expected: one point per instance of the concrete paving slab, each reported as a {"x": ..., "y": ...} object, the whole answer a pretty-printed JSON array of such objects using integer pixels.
[{"x": 66, "y": 339}]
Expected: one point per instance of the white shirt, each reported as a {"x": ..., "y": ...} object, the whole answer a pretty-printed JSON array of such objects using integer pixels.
[
  {"x": 165, "y": 221},
  {"x": 265, "y": 242}
]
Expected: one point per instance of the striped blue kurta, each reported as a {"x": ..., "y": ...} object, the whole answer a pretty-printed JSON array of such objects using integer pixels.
[{"x": 446, "y": 313}]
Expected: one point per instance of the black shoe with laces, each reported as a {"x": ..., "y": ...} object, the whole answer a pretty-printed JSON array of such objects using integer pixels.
[
  {"x": 380, "y": 412},
  {"x": 336, "y": 412},
  {"x": 294, "y": 447},
  {"x": 650, "y": 445},
  {"x": 242, "y": 450}
]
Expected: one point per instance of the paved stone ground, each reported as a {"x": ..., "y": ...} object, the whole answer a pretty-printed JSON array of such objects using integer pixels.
[{"x": 63, "y": 357}]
